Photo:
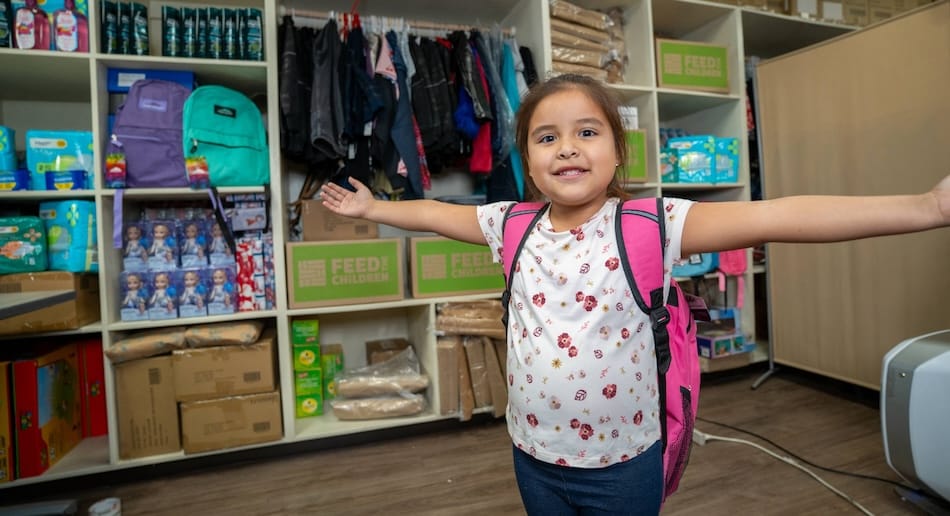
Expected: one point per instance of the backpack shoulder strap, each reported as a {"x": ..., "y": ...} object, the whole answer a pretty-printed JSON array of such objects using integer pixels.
[
  {"x": 515, "y": 228},
  {"x": 641, "y": 232}
]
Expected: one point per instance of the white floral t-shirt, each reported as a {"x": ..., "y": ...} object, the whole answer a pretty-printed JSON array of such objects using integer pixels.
[{"x": 581, "y": 371}]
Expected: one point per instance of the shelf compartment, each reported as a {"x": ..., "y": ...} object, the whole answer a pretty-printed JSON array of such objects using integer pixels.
[
  {"x": 89, "y": 457},
  {"x": 153, "y": 194},
  {"x": 249, "y": 77},
  {"x": 44, "y": 75},
  {"x": 679, "y": 103},
  {"x": 328, "y": 425},
  {"x": 766, "y": 34}
]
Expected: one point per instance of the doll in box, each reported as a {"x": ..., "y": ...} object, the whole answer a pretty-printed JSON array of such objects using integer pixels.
[
  {"x": 218, "y": 250},
  {"x": 161, "y": 304},
  {"x": 192, "y": 244},
  {"x": 221, "y": 295},
  {"x": 191, "y": 301},
  {"x": 134, "y": 252},
  {"x": 134, "y": 296},
  {"x": 162, "y": 252}
]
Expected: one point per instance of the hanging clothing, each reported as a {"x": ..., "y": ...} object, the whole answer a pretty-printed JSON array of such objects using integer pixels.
[
  {"x": 530, "y": 72},
  {"x": 509, "y": 78},
  {"x": 468, "y": 78},
  {"x": 503, "y": 117},
  {"x": 482, "y": 155},
  {"x": 326, "y": 115},
  {"x": 403, "y": 133}
]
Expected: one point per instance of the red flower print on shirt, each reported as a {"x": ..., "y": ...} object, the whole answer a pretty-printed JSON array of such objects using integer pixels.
[
  {"x": 538, "y": 299},
  {"x": 561, "y": 462},
  {"x": 612, "y": 263},
  {"x": 625, "y": 333},
  {"x": 579, "y": 296},
  {"x": 575, "y": 423},
  {"x": 532, "y": 419},
  {"x": 610, "y": 390},
  {"x": 538, "y": 331},
  {"x": 638, "y": 418},
  {"x": 563, "y": 340},
  {"x": 572, "y": 351},
  {"x": 578, "y": 234},
  {"x": 590, "y": 303},
  {"x": 585, "y": 431}
]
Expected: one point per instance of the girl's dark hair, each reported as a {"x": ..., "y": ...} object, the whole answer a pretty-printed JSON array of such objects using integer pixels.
[{"x": 597, "y": 93}]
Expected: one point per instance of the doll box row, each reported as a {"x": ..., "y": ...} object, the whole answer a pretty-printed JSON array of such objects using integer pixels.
[{"x": 79, "y": 309}]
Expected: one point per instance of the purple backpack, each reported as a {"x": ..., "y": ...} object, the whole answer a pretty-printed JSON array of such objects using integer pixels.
[
  {"x": 641, "y": 232},
  {"x": 147, "y": 130}
]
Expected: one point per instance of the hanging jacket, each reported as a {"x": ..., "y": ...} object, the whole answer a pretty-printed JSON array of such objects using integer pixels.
[
  {"x": 530, "y": 73},
  {"x": 468, "y": 76},
  {"x": 402, "y": 131},
  {"x": 503, "y": 117},
  {"x": 326, "y": 115},
  {"x": 509, "y": 78},
  {"x": 360, "y": 100},
  {"x": 425, "y": 106},
  {"x": 482, "y": 156}
]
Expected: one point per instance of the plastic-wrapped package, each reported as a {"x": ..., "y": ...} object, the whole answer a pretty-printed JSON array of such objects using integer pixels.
[
  {"x": 562, "y": 67},
  {"x": 399, "y": 375},
  {"x": 224, "y": 334},
  {"x": 577, "y": 14},
  {"x": 378, "y": 408},
  {"x": 580, "y": 31},
  {"x": 569, "y": 40},
  {"x": 146, "y": 344},
  {"x": 578, "y": 56}
]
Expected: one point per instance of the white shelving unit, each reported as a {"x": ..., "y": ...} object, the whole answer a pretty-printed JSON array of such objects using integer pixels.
[{"x": 53, "y": 90}]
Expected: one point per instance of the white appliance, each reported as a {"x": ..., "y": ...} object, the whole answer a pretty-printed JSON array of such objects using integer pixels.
[{"x": 915, "y": 411}]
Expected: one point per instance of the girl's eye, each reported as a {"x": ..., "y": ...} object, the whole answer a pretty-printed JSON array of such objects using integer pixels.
[
  {"x": 588, "y": 132},
  {"x": 548, "y": 138}
]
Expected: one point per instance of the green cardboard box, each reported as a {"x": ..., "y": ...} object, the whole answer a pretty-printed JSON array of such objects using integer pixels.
[
  {"x": 345, "y": 272},
  {"x": 305, "y": 331},
  {"x": 309, "y": 405},
  {"x": 636, "y": 169},
  {"x": 306, "y": 357},
  {"x": 445, "y": 267},
  {"x": 690, "y": 65},
  {"x": 308, "y": 382}
]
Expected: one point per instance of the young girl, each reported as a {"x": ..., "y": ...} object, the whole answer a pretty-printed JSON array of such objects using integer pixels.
[{"x": 583, "y": 407}]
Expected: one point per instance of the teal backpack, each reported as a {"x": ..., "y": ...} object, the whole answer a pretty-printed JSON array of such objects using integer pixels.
[{"x": 224, "y": 139}]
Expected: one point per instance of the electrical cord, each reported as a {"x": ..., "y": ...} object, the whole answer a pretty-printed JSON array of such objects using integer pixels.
[
  {"x": 704, "y": 438},
  {"x": 803, "y": 460}
]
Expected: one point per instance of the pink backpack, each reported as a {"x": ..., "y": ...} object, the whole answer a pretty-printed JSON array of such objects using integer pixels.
[{"x": 642, "y": 234}]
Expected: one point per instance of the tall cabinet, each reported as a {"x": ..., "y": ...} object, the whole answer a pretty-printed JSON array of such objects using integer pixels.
[{"x": 54, "y": 90}]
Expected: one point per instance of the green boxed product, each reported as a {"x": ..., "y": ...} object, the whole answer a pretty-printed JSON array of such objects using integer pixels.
[
  {"x": 305, "y": 331},
  {"x": 636, "y": 169},
  {"x": 22, "y": 245},
  {"x": 309, "y": 405},
  {"x": 331, "y": 359},
  {"x": 308, "y": 382},
  {"x": 306, "y": 357}
]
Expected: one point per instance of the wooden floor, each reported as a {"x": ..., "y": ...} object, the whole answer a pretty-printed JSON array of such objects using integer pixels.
[{"x": 468, "y": 470}]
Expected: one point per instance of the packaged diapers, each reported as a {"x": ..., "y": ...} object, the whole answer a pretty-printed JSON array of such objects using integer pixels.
[
  {"x": 22, "y": 245},
  {"x": 71, "y": 235}
]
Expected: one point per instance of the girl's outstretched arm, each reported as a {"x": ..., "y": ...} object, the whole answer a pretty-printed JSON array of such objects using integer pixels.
[
  {"x": 455, "y": 221},
  {"x": 719, "y": 226}
]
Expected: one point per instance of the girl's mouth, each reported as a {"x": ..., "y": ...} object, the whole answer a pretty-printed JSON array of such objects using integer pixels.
[{"x": 569, "y": 172}]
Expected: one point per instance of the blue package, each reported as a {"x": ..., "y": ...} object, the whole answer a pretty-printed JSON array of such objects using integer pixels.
[
  {"x": 7, "y": 149},
  {"x": 15, "y": 180},
  {"x": 133, "y": 290},
  {"x": 192, "y": 285},
  {"x": 163, "y": 300},
  {"x": 68, "y": 180},
  {"x": 119, "y": 80},
  {"x": 71, "y": 235},
  {"x": 727, "y": 160},
  {"x": 57, "y": 151},
  {"x": 697, "y": 157}
]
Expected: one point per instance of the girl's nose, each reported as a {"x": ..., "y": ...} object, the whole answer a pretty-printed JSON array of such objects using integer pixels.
[{"x": 567, "y": 150}]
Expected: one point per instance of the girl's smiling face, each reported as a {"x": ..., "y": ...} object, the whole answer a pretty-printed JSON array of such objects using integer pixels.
[{"x": 571, "y": 151}]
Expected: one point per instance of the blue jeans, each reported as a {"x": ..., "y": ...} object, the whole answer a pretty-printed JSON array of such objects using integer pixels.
[{"x": 632, "y": 487}]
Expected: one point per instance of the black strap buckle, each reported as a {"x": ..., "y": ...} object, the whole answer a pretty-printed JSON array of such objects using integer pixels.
[{"x": 660, "y": 317}]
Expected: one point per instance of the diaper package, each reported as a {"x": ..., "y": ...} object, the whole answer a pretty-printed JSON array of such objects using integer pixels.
[
  {"x": 22, "y": 245},
  {"x": 59, "y": 160},
  {"x": 71, "y": 235}
]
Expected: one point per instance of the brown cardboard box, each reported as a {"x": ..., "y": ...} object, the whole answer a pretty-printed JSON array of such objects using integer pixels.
[
  {"x": 228, "y": 422},
  {"x": 220, "y": 371},
  {"x": 146, "y": 408},
  {"x": 381, "y": 350},
  {"x": 319, "y": 223},
  {"x": 478, "y": 373},
  {"x": 80, "y": 310},
  {"x": 855, "y": 12},
  {"x": 447, "y": 348},
  {"x": 496, "y": 379}
]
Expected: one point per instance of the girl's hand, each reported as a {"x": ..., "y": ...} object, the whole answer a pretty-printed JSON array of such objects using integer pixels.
[{"x": 344, "y": 202}]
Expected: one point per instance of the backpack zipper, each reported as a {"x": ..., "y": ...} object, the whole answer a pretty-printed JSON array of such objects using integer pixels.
[
  {"x": 117, "y": 143},
  {"x": 195, "y": 142}
]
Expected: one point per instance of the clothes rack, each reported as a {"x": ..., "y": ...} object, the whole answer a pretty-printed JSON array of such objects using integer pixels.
[{"x": 310, "y": 14}]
